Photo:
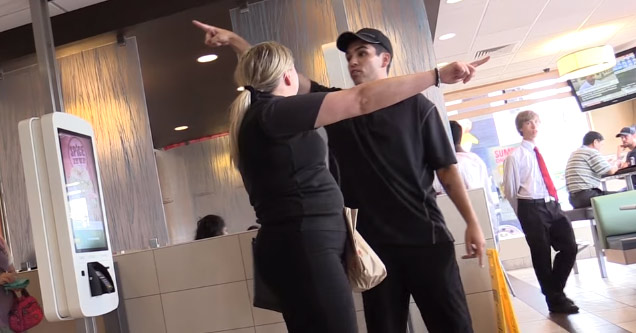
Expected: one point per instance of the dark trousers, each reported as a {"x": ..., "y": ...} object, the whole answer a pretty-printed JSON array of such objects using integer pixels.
[
  {"x": 545, "y": 226},
  {"x": 431, "y": 275},
  {"x": 305, "y": 269},
  {"x": 582, "y": 199}
]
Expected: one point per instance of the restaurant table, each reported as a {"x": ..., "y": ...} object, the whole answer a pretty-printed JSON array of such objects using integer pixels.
[{"x": 625, "y": 176}]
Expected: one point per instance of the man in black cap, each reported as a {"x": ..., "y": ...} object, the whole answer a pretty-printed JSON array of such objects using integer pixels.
[
  {"x": 628, "y": 141},
  {"x": 385, "y": 164}
]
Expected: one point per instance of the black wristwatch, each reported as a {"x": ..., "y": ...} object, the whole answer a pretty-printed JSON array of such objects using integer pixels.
[{"x": 438, "y": 79}]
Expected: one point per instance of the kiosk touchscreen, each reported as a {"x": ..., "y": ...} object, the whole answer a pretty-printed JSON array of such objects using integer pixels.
[{"x": 68, "y": 217}]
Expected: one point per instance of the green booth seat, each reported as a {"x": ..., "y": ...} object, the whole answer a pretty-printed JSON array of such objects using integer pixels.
[{"x": 610, "y": 219}]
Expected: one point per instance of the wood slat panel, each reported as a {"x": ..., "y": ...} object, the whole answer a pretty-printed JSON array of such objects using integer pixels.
[
  {"x": 513, "y": 94},
  {"x": 484, "y": 90},
  {"x": 509, "y": 106}
]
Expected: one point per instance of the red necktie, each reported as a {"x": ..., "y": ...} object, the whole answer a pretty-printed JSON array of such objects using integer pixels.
[{"x": 546, "y": 176}]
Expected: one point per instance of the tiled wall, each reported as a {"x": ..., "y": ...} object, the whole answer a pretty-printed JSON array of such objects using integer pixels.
[
  {"x": 206, "y": 286},
  {"x": 51, "y": 327}
]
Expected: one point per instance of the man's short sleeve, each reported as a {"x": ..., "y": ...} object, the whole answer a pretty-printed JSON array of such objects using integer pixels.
[
  {"x": 632, "y": 153},
  {"x": 317, "y": 87},
  {"x": 437, "y": 149},
  {"x": 598, "y": 164},
  {"x": 291, "y": 115}
]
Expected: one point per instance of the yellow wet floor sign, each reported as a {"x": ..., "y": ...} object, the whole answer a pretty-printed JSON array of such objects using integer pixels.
[{"x": 506, "y": 319}]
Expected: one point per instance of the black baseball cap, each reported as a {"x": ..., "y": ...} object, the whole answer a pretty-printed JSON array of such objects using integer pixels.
[
  {"x": 369, "y": 35},
  {"x": 626, "y": 131}
]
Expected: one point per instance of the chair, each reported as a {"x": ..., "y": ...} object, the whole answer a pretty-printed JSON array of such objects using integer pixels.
[
  {"x": 610, "y": 219},
  {"x": 580, "y": 214}
]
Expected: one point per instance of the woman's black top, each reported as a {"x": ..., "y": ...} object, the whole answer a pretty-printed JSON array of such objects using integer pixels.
[{"x": 282, "y": 162}]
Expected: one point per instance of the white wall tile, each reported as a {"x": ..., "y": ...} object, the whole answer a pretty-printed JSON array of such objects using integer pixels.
[
  {"x": 209, "y": 309},
  {"x": 145, "y": 315},
  {"x": 362, "y": 325},
  {"x": 262, "y": 316},
  {"x": 242, "y": 330},
  {"x": 456, "y": 223},
  {"x": 474, "y": 278},
  {"x": 245, "y": 240},
  {"x": 201, "y": 263},
  {"x": 137, "y": 274},
  {"x": 482, "y": 312},
  {"x": 273, "y": 328},
  {"x": 357, "y": 301}
]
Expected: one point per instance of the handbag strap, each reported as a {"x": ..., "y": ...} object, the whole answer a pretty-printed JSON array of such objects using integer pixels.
[{"x": 23, "y": 293}]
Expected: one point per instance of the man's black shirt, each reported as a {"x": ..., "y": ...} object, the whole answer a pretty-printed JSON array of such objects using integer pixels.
[{"x": 385, "y": 161}]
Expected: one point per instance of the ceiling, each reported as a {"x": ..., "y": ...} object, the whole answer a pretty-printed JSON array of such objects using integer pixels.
[
  {"x": 180, "y": 91},
  {"x": 533, "y": 34},
  {"x": 15, "y": 13}
]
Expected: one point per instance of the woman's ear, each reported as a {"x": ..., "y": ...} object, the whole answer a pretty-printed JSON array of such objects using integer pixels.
[{"x": 287, "y": 77}]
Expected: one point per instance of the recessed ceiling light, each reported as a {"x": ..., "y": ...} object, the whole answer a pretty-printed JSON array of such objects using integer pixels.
[
  {"x": 447, "y": 36},
  {"x": 453, "y": 1},
  {"x": 181, "y": 128},
  {"x": 207, "y": 58},
  {"x": 442, "y": 64},
  {"x": 240, "y": 88}
]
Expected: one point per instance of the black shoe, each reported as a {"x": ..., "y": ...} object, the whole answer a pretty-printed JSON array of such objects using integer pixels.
[
  {"x": 558, "y": 299},
  {"x": 569, "y": 301},
  {"x": 563, "y": 307}
]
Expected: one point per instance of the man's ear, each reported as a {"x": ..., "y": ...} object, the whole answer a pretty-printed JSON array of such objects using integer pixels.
[{"x": 386, "y": 59}]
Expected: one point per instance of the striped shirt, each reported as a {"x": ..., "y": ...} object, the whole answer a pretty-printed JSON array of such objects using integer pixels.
[{"x": 584, "y": 169}]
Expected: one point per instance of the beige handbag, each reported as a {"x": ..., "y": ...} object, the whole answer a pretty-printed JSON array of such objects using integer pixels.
[{"x": 365, "y": 270}]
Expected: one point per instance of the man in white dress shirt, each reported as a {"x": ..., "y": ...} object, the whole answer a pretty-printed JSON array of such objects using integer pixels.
[
  {"x": 529, "y": 189},
  {"x": 471, "y": 168}
]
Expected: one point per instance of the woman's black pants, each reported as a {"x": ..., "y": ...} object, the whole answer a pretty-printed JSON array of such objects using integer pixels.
[{"x": 305, "y": 269}]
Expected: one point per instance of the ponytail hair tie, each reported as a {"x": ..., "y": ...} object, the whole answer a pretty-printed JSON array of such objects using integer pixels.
[
  {"x": 250, "y": 89},
  {"x": 253, "y": 93}
]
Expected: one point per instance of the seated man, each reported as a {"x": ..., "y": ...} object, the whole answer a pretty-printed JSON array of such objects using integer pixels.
[
  {"x": 584, "y": 170},
  {"x": 628, "y": 141}
]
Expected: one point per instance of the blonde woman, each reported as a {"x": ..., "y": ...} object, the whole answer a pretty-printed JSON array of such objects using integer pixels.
[{"x": 300, "y": 246}]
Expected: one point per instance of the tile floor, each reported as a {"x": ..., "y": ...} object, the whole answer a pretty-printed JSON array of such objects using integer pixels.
[{"x": 606, "y": 305}]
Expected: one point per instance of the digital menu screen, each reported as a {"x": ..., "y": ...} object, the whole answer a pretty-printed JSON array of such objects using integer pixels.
[{"x": 82, "y": 192}]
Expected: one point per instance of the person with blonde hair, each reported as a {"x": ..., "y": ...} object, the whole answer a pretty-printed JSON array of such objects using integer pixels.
[
  {"x": 281, "y": 157},
  {"x": 531, "y": 193}
]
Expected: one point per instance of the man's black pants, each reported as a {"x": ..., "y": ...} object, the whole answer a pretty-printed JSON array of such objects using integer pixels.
[
  {"x": 545, "y": 226},
  {"x": 431, "y": 275},
  {"x": 582, "y": 199}
]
